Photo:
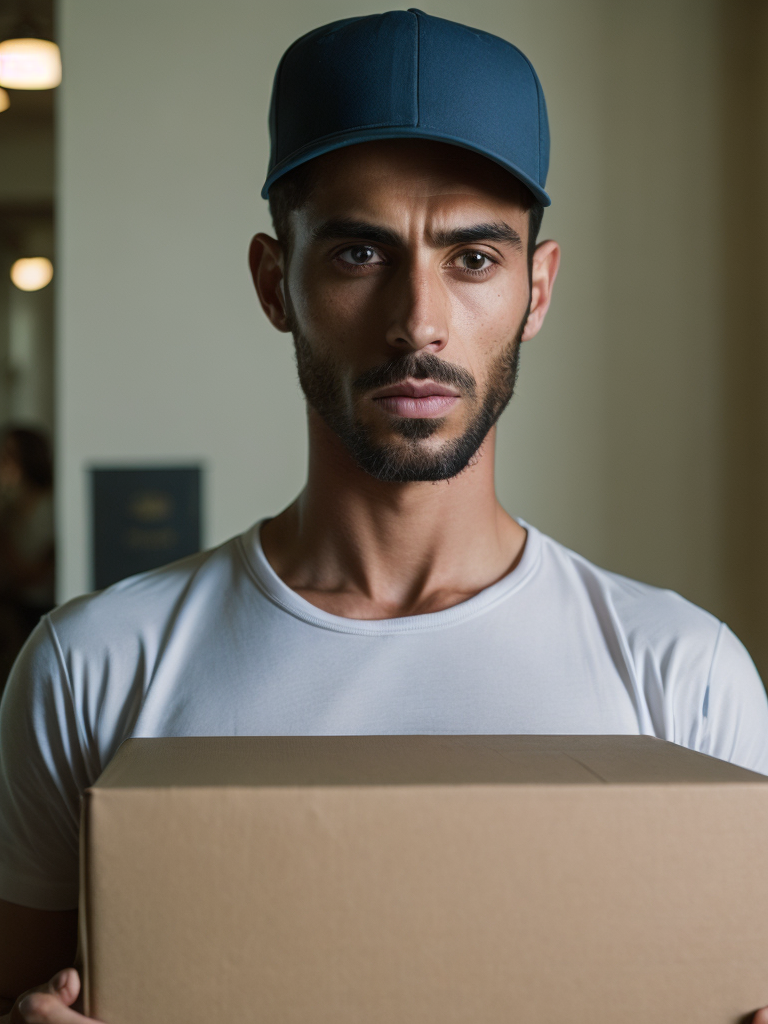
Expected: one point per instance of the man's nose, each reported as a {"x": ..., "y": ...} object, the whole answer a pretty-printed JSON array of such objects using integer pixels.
[{"x": 419, "y": 308}]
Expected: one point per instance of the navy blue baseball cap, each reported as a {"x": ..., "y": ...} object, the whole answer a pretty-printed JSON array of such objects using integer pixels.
[{"x": 407, "y": 75}]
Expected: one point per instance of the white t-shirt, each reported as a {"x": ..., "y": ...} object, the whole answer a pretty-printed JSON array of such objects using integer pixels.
[{"x": 218, "y": 645}]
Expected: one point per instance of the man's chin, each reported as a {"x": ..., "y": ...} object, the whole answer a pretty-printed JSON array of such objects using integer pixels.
[{"x": 412, "y": 459}]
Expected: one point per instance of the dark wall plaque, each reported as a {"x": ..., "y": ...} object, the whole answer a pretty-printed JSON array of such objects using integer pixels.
[{"x": 143, "y": 518}]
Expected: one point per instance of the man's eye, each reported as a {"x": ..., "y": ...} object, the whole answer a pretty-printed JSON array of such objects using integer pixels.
[
  {"x": 359, "y": 255},
  {"x": 475, "y": 261}
]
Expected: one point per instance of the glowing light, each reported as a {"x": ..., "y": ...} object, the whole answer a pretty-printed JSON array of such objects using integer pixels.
[
  {"x": 29, "y": 64},
  {"x": 30, "y": 275},
  {"x": 5, "y": 100}
]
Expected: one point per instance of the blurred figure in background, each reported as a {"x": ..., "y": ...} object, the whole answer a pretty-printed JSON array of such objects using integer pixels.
[{"x": 26, "y": 538}]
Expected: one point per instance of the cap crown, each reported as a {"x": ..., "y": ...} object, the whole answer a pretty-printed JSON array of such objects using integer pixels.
[{"x": 405, "y": 74}]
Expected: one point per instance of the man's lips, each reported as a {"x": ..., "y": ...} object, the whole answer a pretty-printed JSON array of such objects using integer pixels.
[
  {"x": 416, "y": 389},
  {"x": 416, "y": 399}
]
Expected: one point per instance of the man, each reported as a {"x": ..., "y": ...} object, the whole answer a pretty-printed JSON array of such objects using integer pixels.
[{"x": 395, "y": 595}]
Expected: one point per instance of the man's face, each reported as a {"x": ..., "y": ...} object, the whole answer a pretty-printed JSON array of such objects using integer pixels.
[{"x": 407, "y": 293}]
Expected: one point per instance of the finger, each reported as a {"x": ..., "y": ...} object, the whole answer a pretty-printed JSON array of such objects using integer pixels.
[
  {"x": 45, "y": 1007},
  {"x": 761, "y": 1017},
  {"x": 65, "y": 984},
  {"x": 60, "y": 988}
]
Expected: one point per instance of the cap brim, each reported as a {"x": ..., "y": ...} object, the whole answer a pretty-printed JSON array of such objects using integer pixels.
[{"x": 342, "y": 139}]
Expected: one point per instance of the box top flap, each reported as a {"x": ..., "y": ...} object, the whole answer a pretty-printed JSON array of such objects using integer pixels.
[{"x": 270, "y": 761}]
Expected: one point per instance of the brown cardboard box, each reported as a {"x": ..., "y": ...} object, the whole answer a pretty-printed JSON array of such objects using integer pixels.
[{"x": 424, "y": 880}]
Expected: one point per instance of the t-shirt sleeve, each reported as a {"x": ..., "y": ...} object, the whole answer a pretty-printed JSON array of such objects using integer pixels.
[
  {"x": 735, "y": 707},
  {"x": 42, "y": 774}
]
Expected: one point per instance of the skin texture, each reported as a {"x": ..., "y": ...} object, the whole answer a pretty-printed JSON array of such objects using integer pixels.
[{"x": 353, "y": 544}]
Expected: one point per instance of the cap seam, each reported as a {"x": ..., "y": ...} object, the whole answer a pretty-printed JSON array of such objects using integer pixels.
[
  {"x": 535, "y": 78},
  {"x": 345, "y": 131},
  {"x": 321, "y": 31},
  {"x": 418, "y": 70}
]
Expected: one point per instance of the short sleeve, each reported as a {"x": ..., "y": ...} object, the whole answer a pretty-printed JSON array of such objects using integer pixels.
[
  {"x": 736, "y": 707},
  {"x": 42, "y": 774}
]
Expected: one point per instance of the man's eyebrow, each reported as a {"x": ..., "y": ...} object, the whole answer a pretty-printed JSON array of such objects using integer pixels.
[
  {"x": 345, "y": 228},
  {"x": 356, "y": 229},
  {"x": 498, "y": 232}
]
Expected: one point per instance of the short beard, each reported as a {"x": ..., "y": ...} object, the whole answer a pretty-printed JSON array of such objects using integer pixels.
[{"x": 409, "y": 462}]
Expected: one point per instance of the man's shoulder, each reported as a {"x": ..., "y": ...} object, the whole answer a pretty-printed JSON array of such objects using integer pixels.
[
  {"x": 642, "y": 612},
  {"x": 143, "y": 604}
]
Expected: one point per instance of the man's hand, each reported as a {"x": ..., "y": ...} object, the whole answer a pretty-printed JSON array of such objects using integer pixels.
[
  {"x": 51, "y": 1003},
  {"x": 761, "y": 1017}
]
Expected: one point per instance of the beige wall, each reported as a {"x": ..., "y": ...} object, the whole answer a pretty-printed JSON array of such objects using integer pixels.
[
  {"x": 743, "y": 225},
  {"x": 613, "y": 442},
  {"x": 664, "y": 304}
]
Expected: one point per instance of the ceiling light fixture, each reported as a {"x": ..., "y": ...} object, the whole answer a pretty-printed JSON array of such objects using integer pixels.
[
  {"x": 29, "y": 64},
  {"x": 28, "y": 59},
  {"x": 30, "y": 275}
]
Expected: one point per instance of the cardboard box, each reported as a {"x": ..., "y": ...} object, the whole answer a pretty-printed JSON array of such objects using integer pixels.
[{"x": 424, "y": 880}]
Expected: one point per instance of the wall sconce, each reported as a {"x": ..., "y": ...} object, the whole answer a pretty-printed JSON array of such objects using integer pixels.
[{"x": 27, "y": 59}]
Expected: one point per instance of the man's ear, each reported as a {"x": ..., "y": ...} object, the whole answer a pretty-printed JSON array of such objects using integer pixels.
[
  {"x": 546, "y": 261},
  {"x": 267, "y": 264}
]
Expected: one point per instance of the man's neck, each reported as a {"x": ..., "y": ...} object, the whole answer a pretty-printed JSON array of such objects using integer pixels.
[{"x": 364, "y": 549}]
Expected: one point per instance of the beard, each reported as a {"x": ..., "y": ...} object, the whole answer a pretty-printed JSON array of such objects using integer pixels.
[{"x": 409, "y": 459}]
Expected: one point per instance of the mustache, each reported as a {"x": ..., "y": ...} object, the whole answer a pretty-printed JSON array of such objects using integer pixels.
[{"x": 416, "y": 367}]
